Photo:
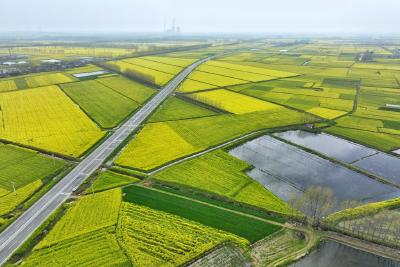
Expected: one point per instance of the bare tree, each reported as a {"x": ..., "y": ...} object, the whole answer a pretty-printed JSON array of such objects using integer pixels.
[
  {"x": 295, "y": 204},
  {"x": 317, "y": 202}
]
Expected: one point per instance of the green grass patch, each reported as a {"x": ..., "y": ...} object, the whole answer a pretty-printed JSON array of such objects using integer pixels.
[
  {"x": 134, "y": 90},
  {"x": 217, "y": 201},
  {"x": 21, "y": 83},
  {"x": 341, "y": 82},
  {"x": 176, "y": 109},
  {"x": 22, "y": 166},
  {"x": 27, "y": 171},
  {"x": 211, "y": 216},
  {"x": 106, "y": 106},
  {"x": 391, "y": 124},
  {"x": 109, "y": 179}
]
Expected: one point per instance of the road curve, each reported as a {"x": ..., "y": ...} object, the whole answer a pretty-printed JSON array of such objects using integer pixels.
[{"x": 23, "y": 227}]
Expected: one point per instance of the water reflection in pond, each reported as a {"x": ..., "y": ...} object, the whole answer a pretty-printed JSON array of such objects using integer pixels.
[
  {"x": 327, "y": 144},
  {"x": 333, "y": 254},
  {"x": 283, "y": 168},
  {"x": 371, "y": 160}
]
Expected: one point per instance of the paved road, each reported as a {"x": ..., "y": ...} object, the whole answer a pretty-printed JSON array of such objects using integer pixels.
[{"x": 19, "y": 231}]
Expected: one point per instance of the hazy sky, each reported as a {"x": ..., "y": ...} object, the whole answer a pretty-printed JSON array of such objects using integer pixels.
[{"x": 194, "y": 16}]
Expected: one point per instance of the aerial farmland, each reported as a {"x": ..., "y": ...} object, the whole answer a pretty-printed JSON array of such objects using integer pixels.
[{"x": 198, "y": 150}]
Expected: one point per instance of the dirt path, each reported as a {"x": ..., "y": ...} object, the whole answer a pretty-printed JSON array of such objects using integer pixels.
[
  {"x": 312, "y": 236},
  {"x": 363, "y": 245},
  {"x": 218, "y": 207},
  {"x": 311, "y": 240}
]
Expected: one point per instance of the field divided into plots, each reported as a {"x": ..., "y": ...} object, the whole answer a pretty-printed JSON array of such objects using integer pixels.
[
  {"x": 219, "y": 173},
  {"x": 179, "y": 213},
  {"x": 152, "y": 238},
  {"x": 154, "y": 70},
  {"x": 99, "y": 227},
  {"x": 35, "y": 80},
  {"x": 200, "y": 212},
  {"x": 372, "y": 124},
  {"x": 25, "y": 171},
  {"x": 213, "y": 74},
  {"x": 106, "y": 106},
  {"x": 162, "y": 142},
  {"x": 233, "y": 102},
  {"x": 326, "y": 102}
]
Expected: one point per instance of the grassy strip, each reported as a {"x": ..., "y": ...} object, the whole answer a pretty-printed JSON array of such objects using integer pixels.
[
  {"x": 129, "y": 172},
  {"x": 363, "y": 210},
  {"x": 26, "y": 248},
  {"x": 218, "y": 201},
  {"x": 207, "y": 215}
]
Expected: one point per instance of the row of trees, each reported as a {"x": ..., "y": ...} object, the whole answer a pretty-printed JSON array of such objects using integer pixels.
[
  {"x": 134, "y": 74},
  {"x": 317, "y": 202},
  {"x": 383, "y": 227}
]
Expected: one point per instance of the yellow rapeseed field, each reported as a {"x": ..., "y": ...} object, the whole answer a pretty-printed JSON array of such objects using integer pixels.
[
  {"x": 147, "y": 153},
  {"x": 251, "y": 69},
  {"x": 326, "y": 112},
  {"x": 7, "y": 85},
  {"x": 155, "y": 238},
  {"x": 48, "y": 79},
  {"x": 46, "y": 118},
  {"x": 191, "y": 86},
  {"x": 214, "y": 79},
  {"x": 177, "y": 61},
  {"x": 233, "y": 102},
  {"x": 89, "y": 213},
  {"x": 248, "y": 76},
  {"x": 11, "y": 200},
  {"x": 154, "y": 65}
]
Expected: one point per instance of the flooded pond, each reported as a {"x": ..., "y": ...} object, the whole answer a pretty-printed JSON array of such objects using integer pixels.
[
  {"x": 369, "y": 159},
  {"x": 51, "y": 60},
  {"x": 383, "y": 165},
  {"x": 328, "y": 145},
  {"x": 284, "y": 169},
  {"x": 89, "y": 74},
  {"x": 333, "y": 254}
]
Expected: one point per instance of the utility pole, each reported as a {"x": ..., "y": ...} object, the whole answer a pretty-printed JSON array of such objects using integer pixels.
[{"x": 13, "y": 186}]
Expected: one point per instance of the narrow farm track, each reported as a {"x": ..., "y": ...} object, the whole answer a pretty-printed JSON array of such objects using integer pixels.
[
  {"x": 22, "y": 228},
  {"x": 356, "y": 243},
  {"x": 311, "y": 236},
  {"x": 218, "y": 207},
  {"x": 311, "y": 239}
]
